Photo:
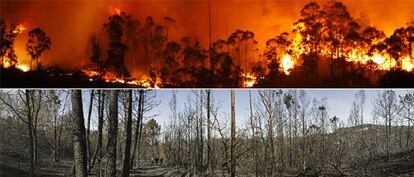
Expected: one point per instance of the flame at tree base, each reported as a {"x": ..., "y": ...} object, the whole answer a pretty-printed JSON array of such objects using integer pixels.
[
  {"x": 249, "y": 80},
  {"x": 20, "y": 66},
  {"x": 111, "y": 77}
]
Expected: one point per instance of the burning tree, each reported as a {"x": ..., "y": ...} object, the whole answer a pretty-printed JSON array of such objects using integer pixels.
[
  {"x": 7, "y": 43},
  {"x": 325, "y": 35},
  {"x": 117, "y": 49},
  {"x": 37, "y": 43}
]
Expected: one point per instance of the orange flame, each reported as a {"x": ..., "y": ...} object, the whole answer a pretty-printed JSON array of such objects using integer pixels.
[
  {"x": 287, "y": 64},
  {"x": 19, "y": 29},
  {"x": 111, "y": 77},
  {"x": 359, "y": 55},
  {"x": 23, "y": 67},
  {"x": 114, "y": 11},
  {"x": 249, "y": 80},
  {"x": 407, "y": 64}
]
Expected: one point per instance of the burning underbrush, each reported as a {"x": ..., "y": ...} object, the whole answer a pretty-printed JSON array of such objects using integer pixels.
[{"x": 111, "y": 77}]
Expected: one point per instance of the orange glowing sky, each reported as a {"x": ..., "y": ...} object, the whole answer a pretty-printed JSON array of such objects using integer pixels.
[{"x": 70, "y": 23}]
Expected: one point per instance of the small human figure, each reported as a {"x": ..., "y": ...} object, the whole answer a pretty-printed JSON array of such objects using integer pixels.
[
  {"x": 156, "y": 160},
  {"x": 161, "y": 159}
]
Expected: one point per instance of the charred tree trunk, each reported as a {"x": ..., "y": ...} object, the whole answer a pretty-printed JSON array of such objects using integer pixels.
[
  {"x": 98, "y": 150},
  {"x": 201, "y": 145},
  {"x": 233, "y": 135},
  {"x": 79, "y": 141},
  {"x": 209, "y": 152},
  {"x": 36, "y": 115},
  {"x": 55, "y": 142},
  {"x": 139, "y": 123},
  {"x": 112, "y": 132},
  {"x": 30, "y": 128},
  {"x": 128, "y": 128},
  {"x": 88, "y": 142}
]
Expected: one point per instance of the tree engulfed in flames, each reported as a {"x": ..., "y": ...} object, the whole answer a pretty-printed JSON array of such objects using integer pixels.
[
  {"x": 7, "y": 62},
  {"x": 383, "y": 61}
]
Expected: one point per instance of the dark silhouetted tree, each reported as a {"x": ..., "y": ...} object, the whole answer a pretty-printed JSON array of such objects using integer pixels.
[{"x": 37, "y": 43}]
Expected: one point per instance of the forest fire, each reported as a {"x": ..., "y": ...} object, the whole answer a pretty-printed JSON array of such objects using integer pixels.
[
  {"x": 324, "y": 43},
  {"x": 287, "y": 64}
]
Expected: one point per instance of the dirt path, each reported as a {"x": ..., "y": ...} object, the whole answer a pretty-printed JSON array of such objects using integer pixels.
[{"x": 157, "y": 171}]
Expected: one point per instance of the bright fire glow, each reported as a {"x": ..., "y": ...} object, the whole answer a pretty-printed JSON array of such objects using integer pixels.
[
  {"x": 407, "y": 64},
  {"x": 287, "y": 63},
  {"x": 23, "y": 67},
  {"x": 6, "y": 64},
  {"x": 114, "y": 11},
  {"x": 249, "y": 80},
  {"x": 112, "y": 78},
  {"x": 296, "y": 45},
  {"x": 20, "y": 66},
  {"x": 383, "y": 62},
  {"x": 358, "y": 55},
  {"x": 90, "y": 73},
  {"x": 19, "y": 29}
]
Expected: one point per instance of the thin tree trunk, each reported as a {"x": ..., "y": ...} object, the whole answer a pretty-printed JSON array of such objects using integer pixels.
[
  {"x": 79, "y": 141},
  {"x": 112, "y": 132},
  {"x": 256, "y": 166},
  {"x": 140, "y": 127},
  {"x": 98, "y": 150},
  {"x": 128, "y": 128},
  {"x": 201, "y": 145},
  {"x": 407, "y": 146},
  {"x": 137, "y": 128},
  {"x": 55, "y": 143},
  {"x": 209, "y": 152},
  {"x": 100, "y": 128},
  {"x": 233, "y": 135},
  {"x": 88, "y": 142}
]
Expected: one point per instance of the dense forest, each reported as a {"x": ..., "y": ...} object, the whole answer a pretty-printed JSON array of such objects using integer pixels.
[
  {"x": 326, "y": 47},
  {"x": 286, "y": 133}
]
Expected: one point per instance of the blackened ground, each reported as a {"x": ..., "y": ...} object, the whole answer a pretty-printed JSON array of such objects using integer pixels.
[{"x": 56, "y": 78}]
